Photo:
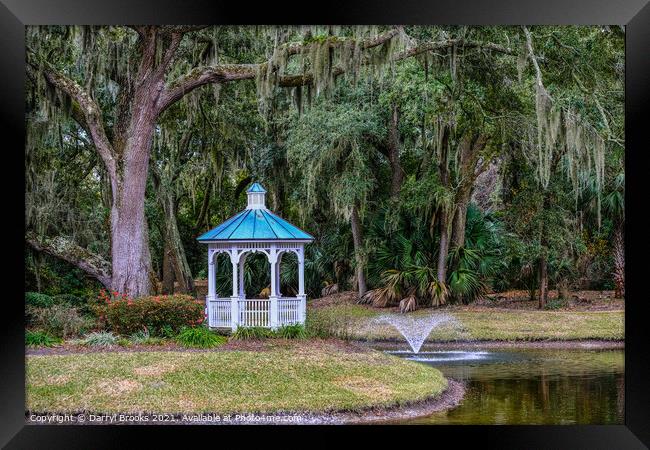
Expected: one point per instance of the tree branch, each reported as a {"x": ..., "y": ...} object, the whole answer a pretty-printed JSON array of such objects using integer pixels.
[
  {"x": 199, "y": 76},
  {"x": 295, "y": 48},
  {"x": 64, "y": 248},
  {"x": 433, "y": 46},
  {"x": 531, "y": 54},
  {"x": 87, "y": 107},
  {"x": 224, "y": 73}
]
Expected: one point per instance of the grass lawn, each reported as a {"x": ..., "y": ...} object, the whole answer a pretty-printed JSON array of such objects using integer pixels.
[
  {"x": 307, "y": 376},
  {"x": 356, "y": 321}
]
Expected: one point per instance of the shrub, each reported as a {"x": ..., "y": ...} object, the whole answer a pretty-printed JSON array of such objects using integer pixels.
[
  {"x": 140, "y": 337},
  {"x": 555, "y": 303},
  {"x": 60, "y": 320},
  {"x": 324, "y": 325},
  {"x": 100, "y": 339},
  {"x": 199, "y": 337},
  {"x": 144, "y": 338},
  {"x": 40, "y": 339},
  {"x": 167, "y": 331},
  {"x": 161, "y": 315},
  {"x": 81, "y": 303},
  {"x": 243, "y": 333},
  {"x": 124, "y": 342},
  {"x": 295, "y": 331},
  {"x": 38, "y": 300}
]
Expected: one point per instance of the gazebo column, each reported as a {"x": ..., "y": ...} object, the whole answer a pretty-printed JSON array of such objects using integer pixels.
[
  {"x": 273, "y": 298},
  {"x": 242, "y": 260},
  {"x": 211, "y": 274},
  {"x": 234, "y": 299},
  {"x": 301, "y": 284},
  {"x": 277, "y": 276},
  {"x": 211, "y": 284}
]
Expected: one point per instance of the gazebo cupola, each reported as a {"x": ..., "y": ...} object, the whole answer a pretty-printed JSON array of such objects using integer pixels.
[
  {"x": 255, "y": 229},
  {"x": 256, "y": 197}
]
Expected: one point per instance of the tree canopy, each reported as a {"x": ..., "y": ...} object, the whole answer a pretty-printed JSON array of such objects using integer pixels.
[{"x": 432, "y": 163}]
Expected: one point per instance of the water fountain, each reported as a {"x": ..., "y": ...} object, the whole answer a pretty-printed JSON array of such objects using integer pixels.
[{"x": 415, "y": 329}]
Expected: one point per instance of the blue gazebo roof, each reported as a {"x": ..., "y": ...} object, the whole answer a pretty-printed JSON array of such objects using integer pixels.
[
  {"x": 256, "y": 187},
  {"x": 255, "y": 223}
]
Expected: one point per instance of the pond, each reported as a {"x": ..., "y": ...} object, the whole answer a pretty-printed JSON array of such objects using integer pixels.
[{"x": 506, "y": 386}]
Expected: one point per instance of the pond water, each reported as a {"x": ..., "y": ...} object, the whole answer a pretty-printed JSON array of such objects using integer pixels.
[{"x": 530, "y": 386}]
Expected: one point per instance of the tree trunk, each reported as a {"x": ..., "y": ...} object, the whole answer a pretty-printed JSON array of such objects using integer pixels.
[
  {"x": 397, "y": 172},
  {"x": 174, "y": 250},
  {"x": 130, "y": 256},
  {"x": 37, "y": 271},
  {"x": 543, "y": 261},
  {"x": 358, "y": 251},
  {"x": 129, "y": 252},
  {"x": 563, "y": 289},
  {"x": 460, "y": 219},
  {"x": 471, "y": 164},
  {"x": 443, "y": 248},
  {"x": 168, "y": 275},
  {"x": 203, "y": 221},
  {"x": 619, "y": 262},
  {"x": 543, "y": 281}
]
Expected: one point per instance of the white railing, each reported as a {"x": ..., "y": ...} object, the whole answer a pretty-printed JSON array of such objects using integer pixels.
[
  {"x": 289, "y": 311},
  {"x": 219, "y": 313},
  {"x": 254, "y": 313}
]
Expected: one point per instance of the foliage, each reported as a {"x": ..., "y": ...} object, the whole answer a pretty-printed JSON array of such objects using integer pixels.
[
  {"x": 295, "y": 331},
  {"x": 321, "y": 324},
  {"x": 245, "y": 333},
  {"x": 555, "y": 303},
  {"x": 160, "y": 315},
  {"x": 140, "y": 337},
  {"x": 40, "y": 339},
  {"x": 60, "y": 320},
  {"x": 199, "y": 337},
  {"x": 551, "y": 188},
  {"x": 100, "y": 339},
  {"x": 38, "y": 300}
]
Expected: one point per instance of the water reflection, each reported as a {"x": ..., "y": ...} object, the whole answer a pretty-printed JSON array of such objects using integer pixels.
[{"x": 532, "y": 387}]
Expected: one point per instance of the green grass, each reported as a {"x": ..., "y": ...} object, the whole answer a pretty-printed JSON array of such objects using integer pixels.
[
  {"x": 484, "y": 325},
  {"x": 308, "y": 377}
]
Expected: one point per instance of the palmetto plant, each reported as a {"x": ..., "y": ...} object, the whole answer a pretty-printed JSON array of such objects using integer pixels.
[{"x": 406, "y": 269}]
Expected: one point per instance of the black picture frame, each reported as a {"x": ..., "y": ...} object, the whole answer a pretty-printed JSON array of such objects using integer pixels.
[{"x": 634, "y": 14}]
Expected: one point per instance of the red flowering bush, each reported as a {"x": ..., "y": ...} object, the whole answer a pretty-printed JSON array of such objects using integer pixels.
[{"x": 157, "y": 314}]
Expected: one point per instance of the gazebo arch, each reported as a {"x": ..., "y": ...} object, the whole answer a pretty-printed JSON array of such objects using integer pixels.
[{"x": 256, "y": 229}]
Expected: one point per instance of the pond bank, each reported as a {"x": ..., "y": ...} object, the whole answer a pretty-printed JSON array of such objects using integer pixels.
[
  {"x": 471, "y": 345},
  {"x": 449, "y": 398},
  {"x": 316, "y": 379}
]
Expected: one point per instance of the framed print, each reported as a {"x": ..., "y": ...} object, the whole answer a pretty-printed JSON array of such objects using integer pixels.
[{"x": 382, "y": 214}]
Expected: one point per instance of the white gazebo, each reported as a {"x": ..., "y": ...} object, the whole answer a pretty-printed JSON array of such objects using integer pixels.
[{"x": 256, "y": 229}]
